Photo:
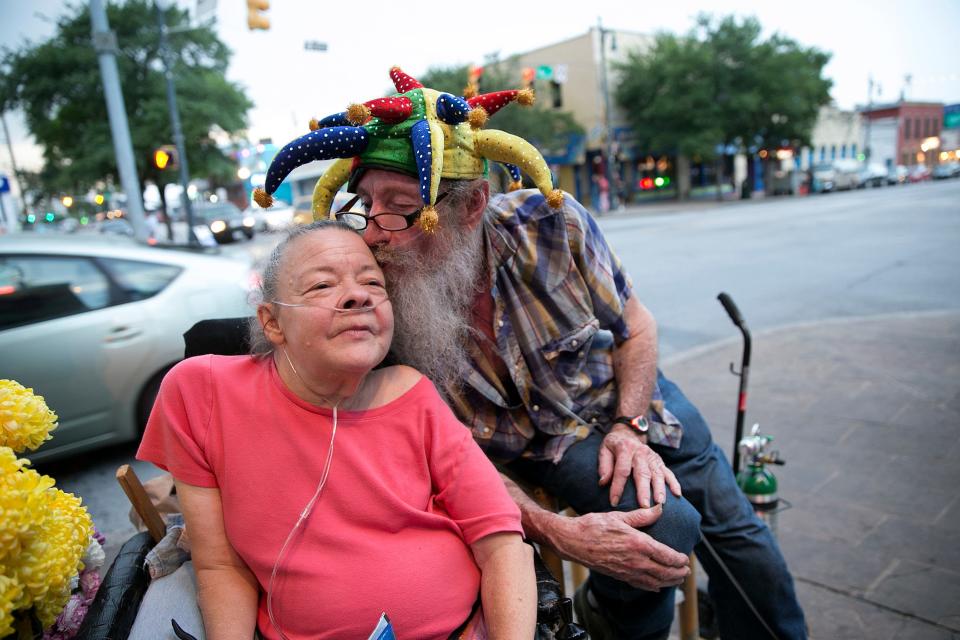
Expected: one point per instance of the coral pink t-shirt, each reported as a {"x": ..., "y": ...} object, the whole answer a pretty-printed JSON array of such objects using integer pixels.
[{"x": 408, "y": 491}]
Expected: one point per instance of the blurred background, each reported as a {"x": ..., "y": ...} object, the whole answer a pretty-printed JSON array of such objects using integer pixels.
[{"x": 802, "y": 155}]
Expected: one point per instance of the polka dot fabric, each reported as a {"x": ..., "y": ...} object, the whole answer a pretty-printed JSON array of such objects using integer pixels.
[
  {"x": 493, "y": 102},
  {"x": 451, "y": 109},
  {"x": 421, "y": 132},
  {"x": 322, "y": 144}
]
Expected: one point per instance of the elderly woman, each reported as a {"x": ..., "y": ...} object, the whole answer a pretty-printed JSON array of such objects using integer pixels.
[{"x": 319, "y": 491}]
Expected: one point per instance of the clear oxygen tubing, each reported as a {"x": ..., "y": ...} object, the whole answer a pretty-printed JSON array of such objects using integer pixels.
[
  {"x": 342, "y": 310},
  {"x": 306, "y": 510}
]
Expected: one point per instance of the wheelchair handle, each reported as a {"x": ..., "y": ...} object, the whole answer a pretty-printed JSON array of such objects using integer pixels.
[{"x": 731, "y": 308}]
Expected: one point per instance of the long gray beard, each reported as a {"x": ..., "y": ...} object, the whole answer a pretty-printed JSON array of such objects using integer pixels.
[{"x": 432, "y": 294}]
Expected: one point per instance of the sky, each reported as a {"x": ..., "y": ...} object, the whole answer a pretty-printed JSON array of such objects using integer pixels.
[{"x": 887, "y": 39}]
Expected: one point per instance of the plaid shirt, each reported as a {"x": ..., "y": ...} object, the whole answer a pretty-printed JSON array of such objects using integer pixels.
[{"x": 558, "y": 293}]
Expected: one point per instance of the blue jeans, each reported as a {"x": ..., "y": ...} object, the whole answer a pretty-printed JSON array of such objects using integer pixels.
[{"x": 711, "y": 501}]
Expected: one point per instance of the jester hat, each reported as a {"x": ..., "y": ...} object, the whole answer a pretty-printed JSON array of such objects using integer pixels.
[{"x": 419, "y": 131}]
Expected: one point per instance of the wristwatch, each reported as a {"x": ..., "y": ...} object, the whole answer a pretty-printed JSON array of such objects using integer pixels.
[{"x": 637, "y": 423}]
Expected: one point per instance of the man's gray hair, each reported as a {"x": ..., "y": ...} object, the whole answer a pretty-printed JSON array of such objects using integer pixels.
[{"x": 266, "y": 291}]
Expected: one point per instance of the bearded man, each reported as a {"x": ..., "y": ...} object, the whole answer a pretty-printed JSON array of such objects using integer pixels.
[{"x": 526, "y": 321}]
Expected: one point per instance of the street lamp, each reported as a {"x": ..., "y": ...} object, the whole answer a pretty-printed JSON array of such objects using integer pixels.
[{"x": 608, "y": 129}]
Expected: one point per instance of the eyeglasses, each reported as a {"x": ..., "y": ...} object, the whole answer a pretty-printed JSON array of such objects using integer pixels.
[{"x": 386, "y": 221}]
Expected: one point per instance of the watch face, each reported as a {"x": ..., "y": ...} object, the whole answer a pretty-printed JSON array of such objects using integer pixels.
[{"x": 640, "y": 424}]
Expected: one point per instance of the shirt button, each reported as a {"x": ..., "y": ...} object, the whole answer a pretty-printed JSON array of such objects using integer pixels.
[
  {"x": 536, "y": 407},
  {"x": 486, "y": 431},
  {"x": 499, "y": 323},
  {"x": 582, "y": 354},
  {"x": 574, "y": 343},
  {"x": 593, "y": 421}
]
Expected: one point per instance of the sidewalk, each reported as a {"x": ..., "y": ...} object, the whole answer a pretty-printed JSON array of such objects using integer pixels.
[{"x": 867, "y": 414}]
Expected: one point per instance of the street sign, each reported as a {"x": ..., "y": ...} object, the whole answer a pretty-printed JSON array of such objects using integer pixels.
[
  {"x": 951, "y": 116},
  {"x": 4, "y": 184},
  {"x": 315, "y": 45}
]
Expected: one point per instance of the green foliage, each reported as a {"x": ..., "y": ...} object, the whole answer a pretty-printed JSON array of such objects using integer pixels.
[
  {"x": 722, "y": 84},
  {"x": 57, "y": 83},
  {"x": 541, "y": 126}
]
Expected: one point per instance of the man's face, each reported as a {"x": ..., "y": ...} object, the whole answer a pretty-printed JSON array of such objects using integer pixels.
[{"x": 390, "y": 192}]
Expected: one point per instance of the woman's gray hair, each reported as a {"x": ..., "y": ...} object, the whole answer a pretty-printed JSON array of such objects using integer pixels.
[{"x": 266, "y": 291}]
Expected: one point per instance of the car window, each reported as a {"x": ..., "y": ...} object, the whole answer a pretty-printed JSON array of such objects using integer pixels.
[
  {"x": 48, "y": 287},
  {"x": 140, "y": 279}
]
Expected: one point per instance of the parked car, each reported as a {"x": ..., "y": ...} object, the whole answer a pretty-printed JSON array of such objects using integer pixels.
[
  {"x": 224, "y": 220},
  {"x": 898, "y": 175},
  {"x": 872, "y": 175},
  {"x": 93, "y": 323},
  {"x": 836, "y": 176},
  {"x": 946, "y": 170},
  {"x": 919, "y": 173},
  {"x": 276, "y": 218}
]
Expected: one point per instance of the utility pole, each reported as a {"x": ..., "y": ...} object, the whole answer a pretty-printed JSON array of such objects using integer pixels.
[
  {"x": 175, "y": 124},
  {"x": 866, "y": 146},
  {"x": 13, "y": 164},
  {"x": 608, "y": 129},
  {"x": 105, "y": 44}
]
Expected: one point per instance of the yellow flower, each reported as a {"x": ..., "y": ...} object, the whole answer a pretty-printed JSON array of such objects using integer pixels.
[
  {"x": 25, "y": 419},
  {"x": 43, "y": 535},
  {"x": 9, "y": 593}
]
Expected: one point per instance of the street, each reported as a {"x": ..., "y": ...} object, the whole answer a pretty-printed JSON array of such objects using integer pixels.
[{"x": 803, "y": 263}]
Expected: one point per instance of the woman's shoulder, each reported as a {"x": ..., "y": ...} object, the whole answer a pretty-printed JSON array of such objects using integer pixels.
[{"x": 208, "y": 366}]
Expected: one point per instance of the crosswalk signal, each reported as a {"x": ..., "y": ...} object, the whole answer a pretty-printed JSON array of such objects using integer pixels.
[
  {"x": 254, "y": 18},
  {"x": 165, "y": 157}
]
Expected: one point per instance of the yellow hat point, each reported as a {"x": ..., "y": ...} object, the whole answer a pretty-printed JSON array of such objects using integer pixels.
[
  {"x": 477, "y": 117},
  {"x": 429, "y": 219},
  {"x": 357, "y": 114},
  {"x": 470, "y": 90},
  {"x": 555, "y": 199},
  {"x": 526, "y": 97},
  {"x": 262, "y": 198},
  {"x": 515, "y": 185},
  {"x": 314, "y": 124}
]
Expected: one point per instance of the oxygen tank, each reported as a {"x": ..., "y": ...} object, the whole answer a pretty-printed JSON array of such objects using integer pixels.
[{"x": 757, "y": 481}]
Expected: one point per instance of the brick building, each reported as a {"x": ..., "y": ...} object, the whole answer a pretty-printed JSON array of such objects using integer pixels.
[{"x": 906, "y": 133}]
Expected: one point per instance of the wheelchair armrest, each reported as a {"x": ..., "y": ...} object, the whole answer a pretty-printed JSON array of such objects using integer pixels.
[{"x": 115, "y": 606}]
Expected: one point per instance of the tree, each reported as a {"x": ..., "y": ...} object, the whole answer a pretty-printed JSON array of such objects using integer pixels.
[
  {"x": 721, "y": 85},
  {"x": 547, "y": 129},
  {"x": 57, "y": 84}
]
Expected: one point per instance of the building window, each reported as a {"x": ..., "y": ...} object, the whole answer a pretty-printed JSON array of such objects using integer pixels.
[
  {"x": 833, "y": 152},
  {"x": 853, "y": 150},
  {"x": 906, "y": 128},
  {"x": 905, "y": 158},
  {"x": 916, "y": 128},
  {"x": 843, "y": 151},
  {"x": 823, "y": 152},
  {"x": 809, "y": 157}
]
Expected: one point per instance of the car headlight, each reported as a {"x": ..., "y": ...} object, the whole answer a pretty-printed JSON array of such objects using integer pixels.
[
  {"x": 218, "y": 226},
  {"x": 248, "y": 221}
]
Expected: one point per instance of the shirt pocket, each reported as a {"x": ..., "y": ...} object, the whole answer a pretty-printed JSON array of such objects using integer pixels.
[{"x": 566, "y": 357}]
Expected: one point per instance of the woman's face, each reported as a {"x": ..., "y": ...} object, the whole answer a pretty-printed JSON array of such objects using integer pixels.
[{"x": 323, "y": 271}]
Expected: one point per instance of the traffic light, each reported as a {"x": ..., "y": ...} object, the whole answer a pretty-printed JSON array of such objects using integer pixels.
[
  {"x": 254, "y": 18},
  {"x": 165, "y": 157}
]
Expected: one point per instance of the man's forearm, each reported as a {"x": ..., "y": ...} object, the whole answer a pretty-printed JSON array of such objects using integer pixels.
[
  {"x": 635, "y": 361},
  {"x": 538, "y": 523}
]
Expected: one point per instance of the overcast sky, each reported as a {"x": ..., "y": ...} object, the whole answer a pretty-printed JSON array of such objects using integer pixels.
[{"x": 289, "y": 85}]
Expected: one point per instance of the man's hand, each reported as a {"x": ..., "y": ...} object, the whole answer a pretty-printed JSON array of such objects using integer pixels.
[
  {"x": 609, "y": 543},
  {"x": 624, "y": 453}
]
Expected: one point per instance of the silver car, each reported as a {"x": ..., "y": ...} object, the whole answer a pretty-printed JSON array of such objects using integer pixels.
[{"x": 92, "y": 325}]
